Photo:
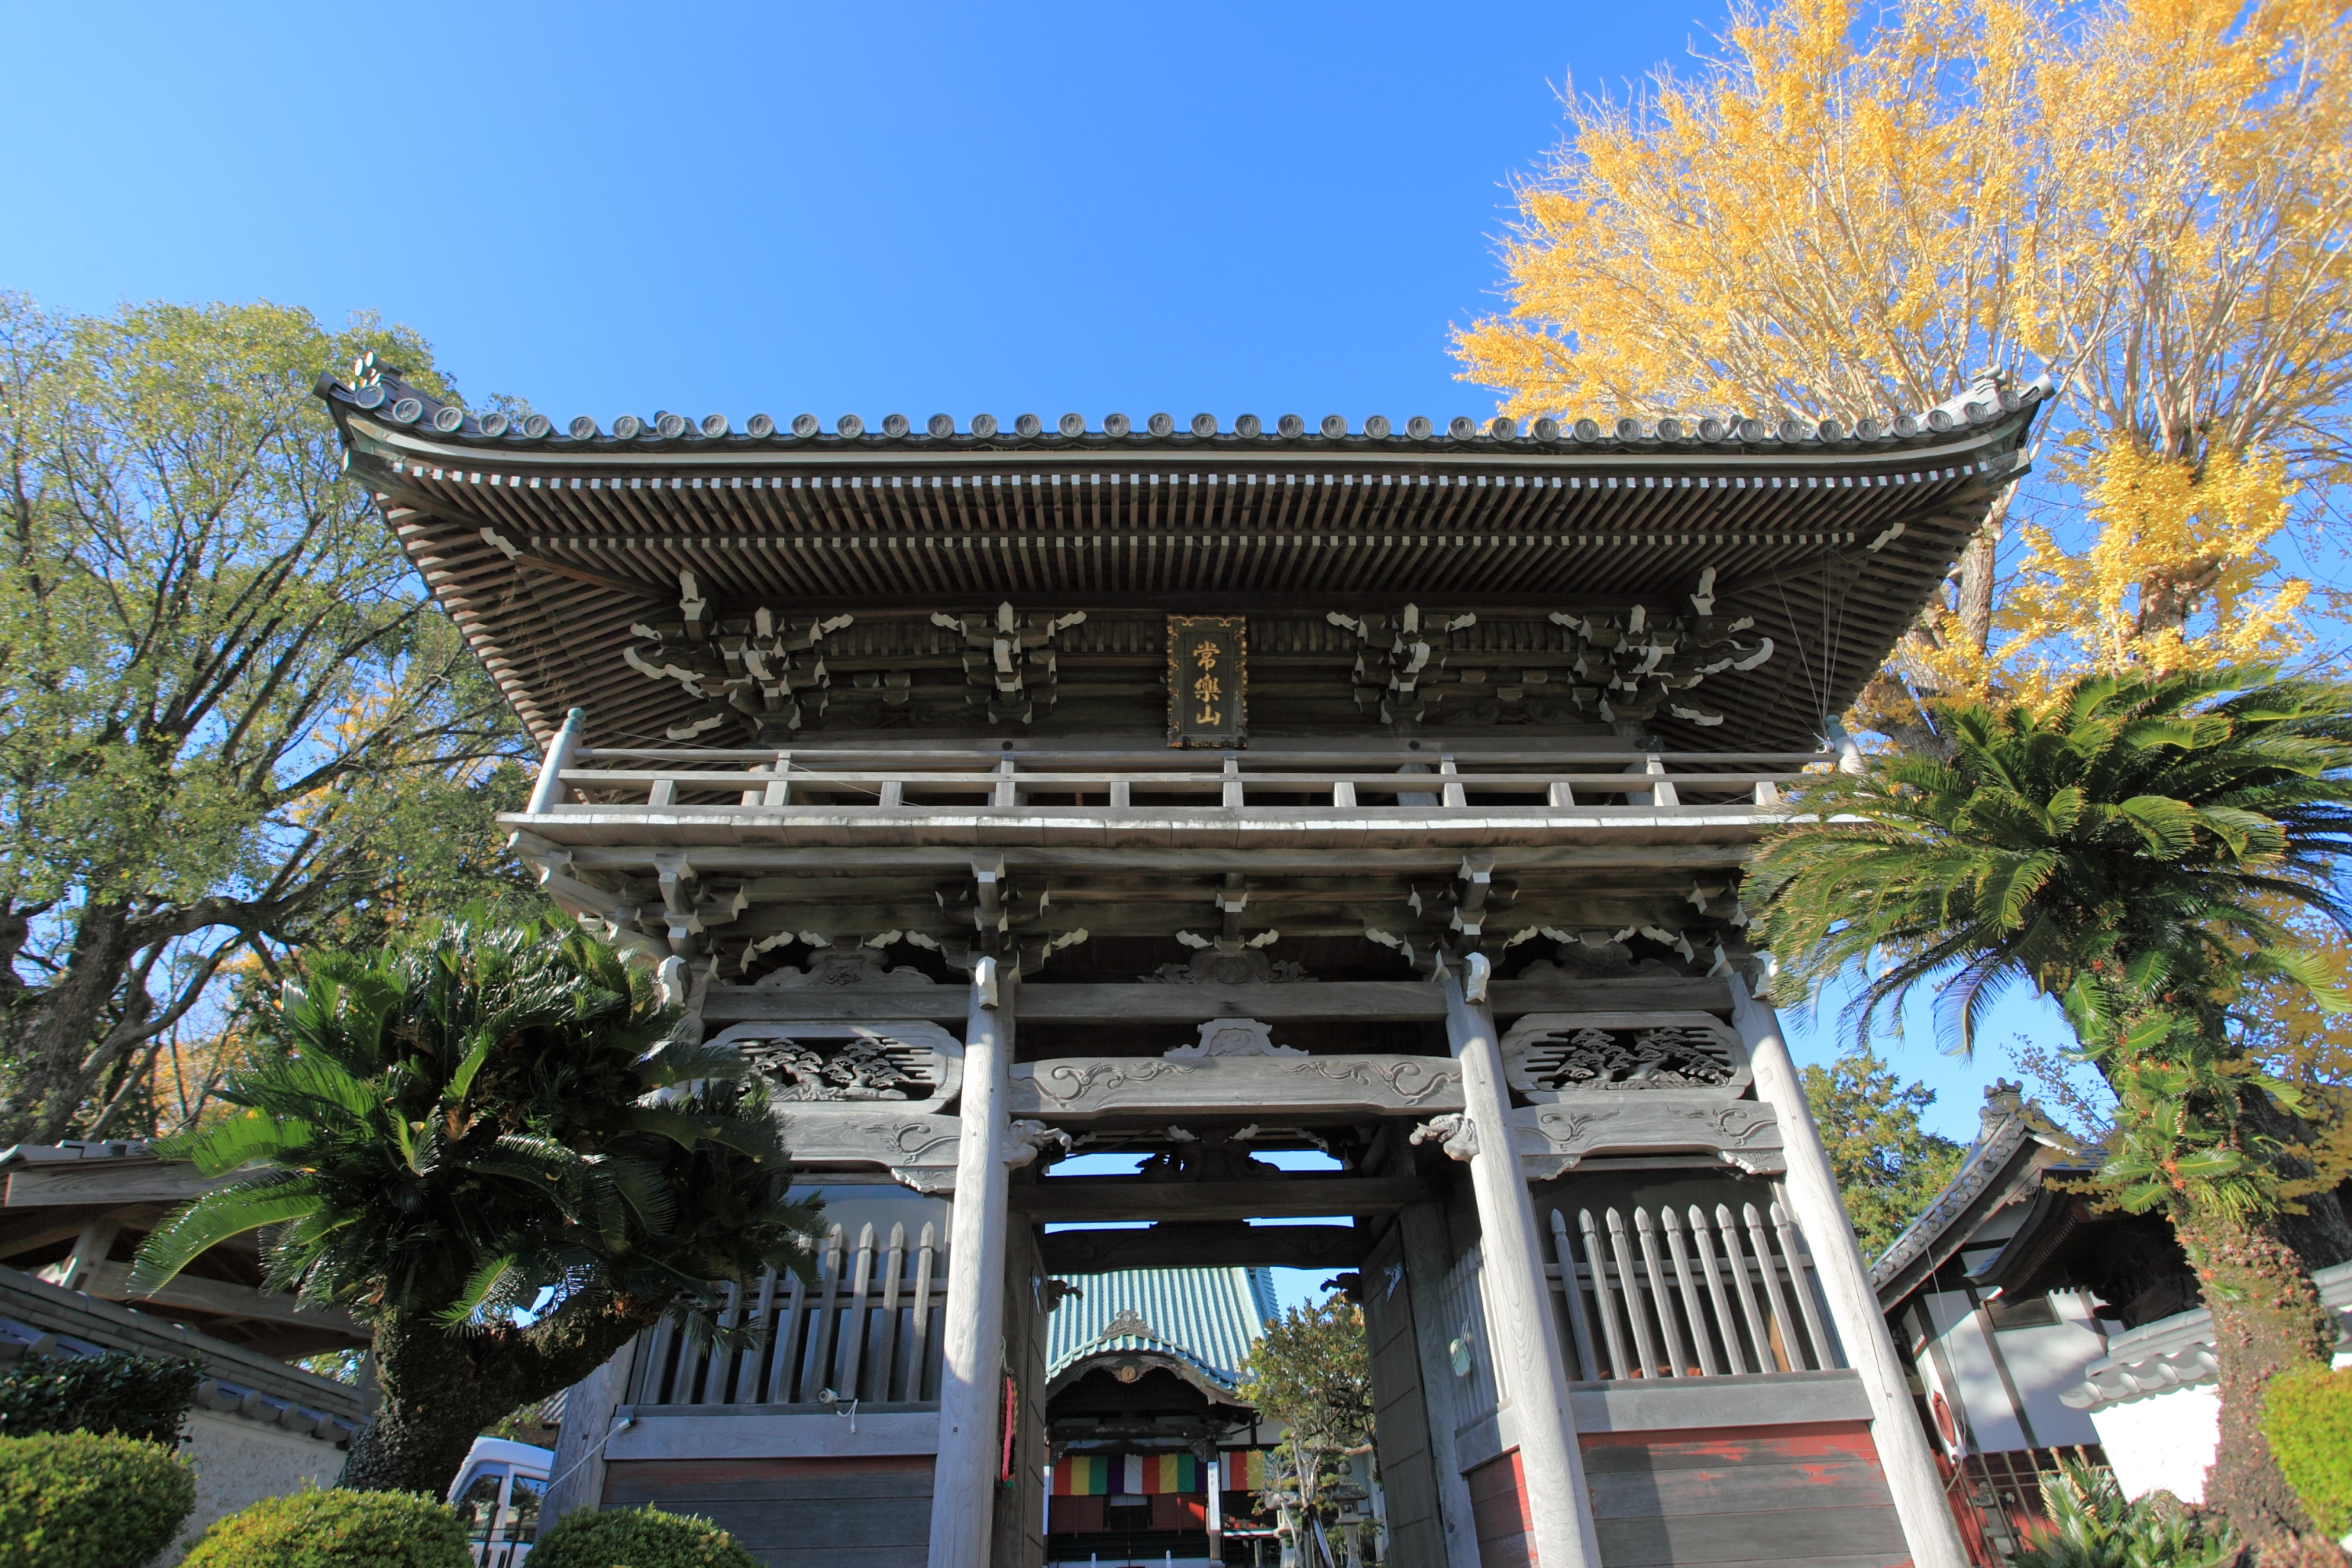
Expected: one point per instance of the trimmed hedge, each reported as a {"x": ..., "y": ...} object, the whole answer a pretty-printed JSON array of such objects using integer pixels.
[
  {"x": 128, "y": 1395},
  {"x": 72, "y": 1500},
  {"x": 637, "y": 1538},
  {"x": 314, "y": 1528},
  {"x": 2308, "y": 1416}
]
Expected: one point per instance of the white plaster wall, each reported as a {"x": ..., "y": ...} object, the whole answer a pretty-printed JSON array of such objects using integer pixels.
[
  {"x": 2163, "y": 1440},
  {"x": 239, "y": 1462},
  {"x": 2045, "y": 1362},
  {"x": 2167, "y": 1440},
  {"x": 1980, "y": 1389}
]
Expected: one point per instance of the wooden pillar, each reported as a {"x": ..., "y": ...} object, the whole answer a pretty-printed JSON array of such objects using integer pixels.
[
  {"x": 549, "y": 791},
  {"x": 1513, "y": 1276},
  {"x": 1215, "y": 1472},
  {"x": 1911, "y": 1476},
  {"x": 1421, "y": 1228},
  {"x": 963, "y": 1486}
]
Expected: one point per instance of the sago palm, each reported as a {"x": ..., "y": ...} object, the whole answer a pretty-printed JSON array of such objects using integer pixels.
[
  {"x": 490, "y": 1145},
  {"x": 2137, "y": 850}
]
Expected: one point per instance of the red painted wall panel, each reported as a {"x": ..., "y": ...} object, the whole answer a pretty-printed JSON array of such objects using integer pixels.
[
  {"x": 1075, "y": 1513},
  {"x": 1498, "y": 1510},
  {"x": 1790, "y": 1495}
]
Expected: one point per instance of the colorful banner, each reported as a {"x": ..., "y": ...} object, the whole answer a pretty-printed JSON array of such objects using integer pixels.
[
  {"x": 1082, "y": 1475},
  {"x": 1245, "y": 1470},
  {"x": 1125, "y": 1475}
]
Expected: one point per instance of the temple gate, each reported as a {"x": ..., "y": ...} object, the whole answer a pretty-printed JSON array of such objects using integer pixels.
[{"x": 1194, "y": 794}]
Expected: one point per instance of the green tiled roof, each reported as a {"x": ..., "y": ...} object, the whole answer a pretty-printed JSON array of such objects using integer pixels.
[{"x": 1208, "y": 1317}]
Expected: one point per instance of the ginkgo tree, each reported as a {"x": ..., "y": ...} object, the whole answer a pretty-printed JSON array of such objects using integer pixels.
[{"x": 1849, "y": 211}]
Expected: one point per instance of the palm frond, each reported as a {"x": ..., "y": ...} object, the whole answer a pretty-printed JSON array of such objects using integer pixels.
[
  {"x": 269, "y": 1197},
  {"x": 479, "y": 1288},
  {"x": 642, "y": 1185},
  {"x": 235, "y": 1141},
  {"x": 678, "y": 1061}
]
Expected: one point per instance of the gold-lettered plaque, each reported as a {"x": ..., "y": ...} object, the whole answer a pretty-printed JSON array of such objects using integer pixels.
[{"x": 1207, "y": 680}]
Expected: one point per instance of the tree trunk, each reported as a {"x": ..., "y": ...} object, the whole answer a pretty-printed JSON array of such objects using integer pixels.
[
  {"x": 2320, "y": 1235},
  {"x": 55, "y": 1028},
  {"x": 436, "y": 1400},
  {"x": 2267, "y": 1318},
  {"x": 440, "y": 1389},
  {"x": 1979, "y": 561}
]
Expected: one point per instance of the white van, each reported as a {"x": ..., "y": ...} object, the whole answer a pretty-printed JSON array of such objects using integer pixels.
[{"x": 497, "y": 1493}]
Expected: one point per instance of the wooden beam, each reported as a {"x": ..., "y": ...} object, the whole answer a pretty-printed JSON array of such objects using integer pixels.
[
  {"x": 1675, "y": 1404},
  {"x": 1350, "y": 1001},
  {"x": 1107, "y": 1198},
  {"x": 659, "y": 595},
  {"x": 1271, "y": 861},
  {"x": 111, "y": 1282},
  {"x": 111, "y": 1183},
  {"x": 1283, "y": 1089},
  {"x": 752, "y": 1432},
  {"x": 1176, "y": 1245}
]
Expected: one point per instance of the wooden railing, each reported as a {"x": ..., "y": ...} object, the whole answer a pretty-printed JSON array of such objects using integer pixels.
[
  {"x": 834, "y": 778},
  {"x": 869, "y": 1330},
  {"x": 1688, "y": 1294}
]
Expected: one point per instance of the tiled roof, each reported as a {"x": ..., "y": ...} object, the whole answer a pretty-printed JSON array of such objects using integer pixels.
[
  {"x": 2011, "y": 1130},
  {"x": 1207, "y": 1317},
  {"x": 2177, "y": 1352},
  {"x": 73, "y": 1148},
  {"x": 38, "y": 1319},
  {"x": 383, "y": 393},
  {"x": 549, "y": 549}
]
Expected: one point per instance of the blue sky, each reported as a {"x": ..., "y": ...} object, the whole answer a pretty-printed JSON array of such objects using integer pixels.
[
  {"x": 611, "y": 209},
  {"x": 840, "y": 208}
]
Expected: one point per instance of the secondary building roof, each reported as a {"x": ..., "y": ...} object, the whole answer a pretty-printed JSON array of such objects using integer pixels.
[
  {"x": 2016, "y": 1149},
  {"x": 1198, "y": 1321}
]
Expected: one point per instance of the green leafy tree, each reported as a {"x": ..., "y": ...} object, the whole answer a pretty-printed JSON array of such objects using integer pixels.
[
  {"x": 490, "y": 1145},
  {"x": 1312, "y": 1370},
  {"x": 2125, "y": 850},
  {"x": 229, "y": 716},
  {"x": 1887, "y": 1165}
]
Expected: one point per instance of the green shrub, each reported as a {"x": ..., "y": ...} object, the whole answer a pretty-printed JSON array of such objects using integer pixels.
[
  {"x": 312, "y": 1529},
  {"x": 637, "y": 1538},
  {"x": 2090, "y": 1526},
  {"x": 2308, "y": 1416},
  {"x": 70, "y": 1499},
  {"x": 129, "y": 1395}
]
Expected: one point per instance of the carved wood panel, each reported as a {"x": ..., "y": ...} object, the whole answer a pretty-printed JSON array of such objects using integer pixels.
[
  {"x": 908, "y": 1065},
  {"x": 1553, "y": 1056}
]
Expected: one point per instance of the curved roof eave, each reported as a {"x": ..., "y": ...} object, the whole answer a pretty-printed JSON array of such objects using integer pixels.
[{"x": 436, "y": 426}]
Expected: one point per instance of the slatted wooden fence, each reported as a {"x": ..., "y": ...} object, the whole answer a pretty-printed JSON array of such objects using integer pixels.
[
  {"x": 1479, "y": 1383},
  {"x": 869, "y": 1329},
  {"x": 1687, "y": 1293}
]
